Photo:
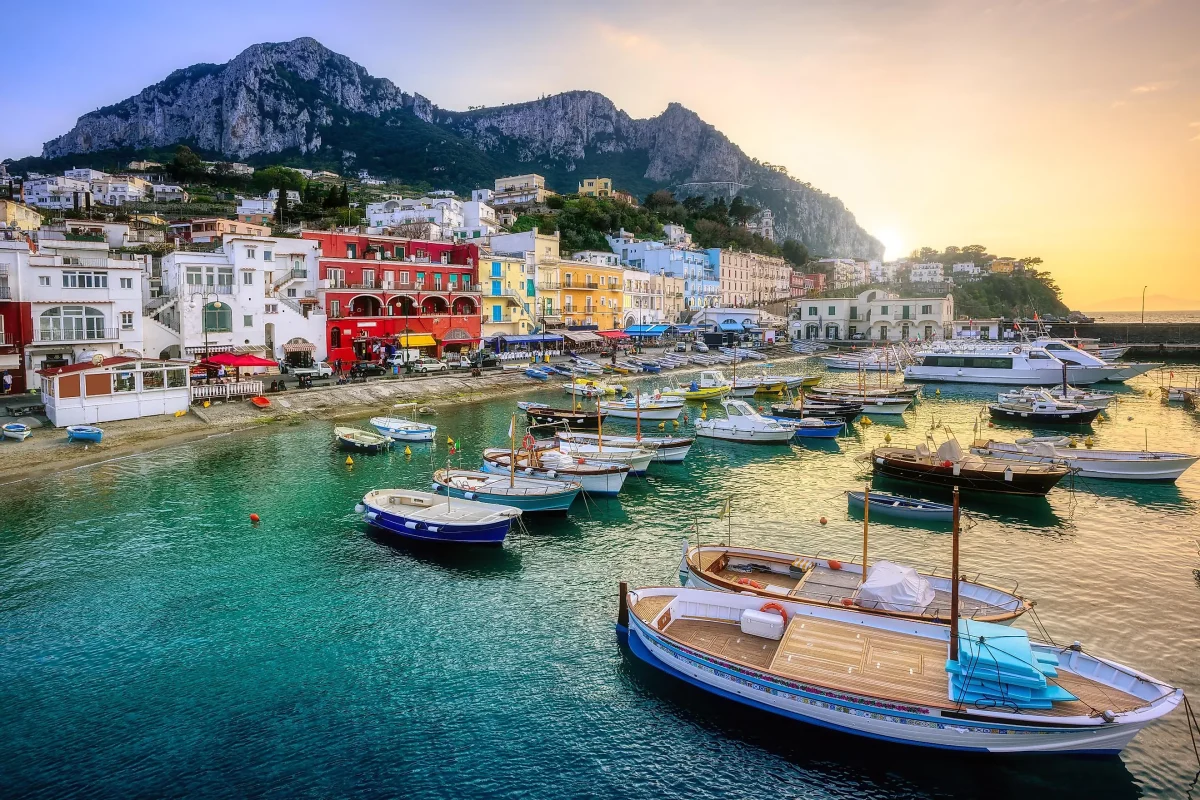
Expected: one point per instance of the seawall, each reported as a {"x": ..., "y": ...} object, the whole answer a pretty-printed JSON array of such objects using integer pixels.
[{"x": 1147, "y": 339}]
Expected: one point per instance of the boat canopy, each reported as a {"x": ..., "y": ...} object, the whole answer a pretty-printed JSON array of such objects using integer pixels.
[{"x": 579, "y": 337}]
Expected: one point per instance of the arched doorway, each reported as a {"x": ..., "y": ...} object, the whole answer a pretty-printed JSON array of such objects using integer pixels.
[
  {"x": 812, "y": 330},
  {"x": 402, "y": 306},
  {"x": 831, "y": 331},
  {"x": 269, "y": 338},
  {"x": 365, "y": 305},
  {"x": 171, "y": 352}
]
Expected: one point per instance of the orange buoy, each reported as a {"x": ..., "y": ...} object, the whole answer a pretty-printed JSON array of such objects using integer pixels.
[
  {"x": 823, "y": 520},
  {"x": 847, "y": 601},
  {"x": 776, "y": 607},
  {"x": 254, "y": 517},
  {"x": 834, "y": 564},
  {"x": 750, "y": 582}
]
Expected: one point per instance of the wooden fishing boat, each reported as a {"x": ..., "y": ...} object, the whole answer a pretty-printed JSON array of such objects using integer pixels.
[
  {"x": 597, "y": 477},
  {"x": 647, "y": 407},
  {"x": 1082, "y": 397},
  {"x": 17, "y": 431},
  {"x": 430, "y": 517},
  {"x": 816, "y": 409},
  {"x": 84, "y": 433},
  {"x": 404, "y": 430},
  {"x": 892, "y": 392},
  {"x": 636, "y": 458},
  {"x": 1116, "y": 465},
  {"x": 949, "y": 466},
  {"x": 710, "y": 385},
  {"x": 811, "y": 427},
  {"x": 519, "y": 491},
  {"x": 743, "y": 424},
  {"x": 893, "y": 679},
  {"x": 897, "y": 507},
  {"x": 575, "y": 420},
  {"x": 360, "y": 440},
  {"x": 836, "y": 583},
  {"x": 666, "y": 449},
  {"x": 870, "y": 404},
  {"x": 1043, "y": 409}
]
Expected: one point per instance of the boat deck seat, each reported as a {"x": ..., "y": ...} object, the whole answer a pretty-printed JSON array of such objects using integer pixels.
[{"x": 923, "y": 450}]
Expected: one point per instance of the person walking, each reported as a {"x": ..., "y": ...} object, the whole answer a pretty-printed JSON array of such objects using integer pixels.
[{"x": 7, "y": 382}]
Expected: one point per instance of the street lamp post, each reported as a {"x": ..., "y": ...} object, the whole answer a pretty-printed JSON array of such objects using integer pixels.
[
  {"x": 204, "y": 295},
  {"x": 1144, "y": 303}
]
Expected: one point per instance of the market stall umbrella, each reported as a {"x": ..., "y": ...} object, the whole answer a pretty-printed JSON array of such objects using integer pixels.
[{"x": 236, "y": 360}]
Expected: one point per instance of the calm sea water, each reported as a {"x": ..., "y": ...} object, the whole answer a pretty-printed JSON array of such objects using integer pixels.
[
  {"x": 1151, "y": 316},
  {"x": 153, "y": 642}
]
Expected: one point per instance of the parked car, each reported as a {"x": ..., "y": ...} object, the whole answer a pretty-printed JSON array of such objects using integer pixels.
[
  {"x": 681, "y": 347},
  {"x": 320, "y": 369},
  {"x": 427, "y": 364},
  {"x": 700, "y": 347},
  {"x": 370, "y": 368}
]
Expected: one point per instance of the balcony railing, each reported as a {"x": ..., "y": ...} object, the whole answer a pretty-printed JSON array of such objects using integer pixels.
[
  {"x": 207, "y": 288},
  {"x": 94, "y": 334},
  {"x": 5, "y": 293},
  {"x": 592, "y": 285}
]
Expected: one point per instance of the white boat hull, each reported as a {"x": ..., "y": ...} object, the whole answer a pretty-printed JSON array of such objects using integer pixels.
[
  {"x": 607, "y": 484},
  {"x": 620, "y": 411},
  {"x": 712, "y": 430},
  {"x": 1087, "y": 464},
  {"x": 1076, "y": 376},
  {"x": 636, "y": 459},
  {"x": 667, "y": 453}
]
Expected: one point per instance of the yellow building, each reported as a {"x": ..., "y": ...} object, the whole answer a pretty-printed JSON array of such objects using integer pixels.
[
  {"x": 19, "y": 215},
  {"x": 590, "y": 294},
  {"x": 1003, "y": 266},
  {"x": 528, "y": 189},
  {"x": 509, "y": 289},
  {"x": 596, "y": 187}
]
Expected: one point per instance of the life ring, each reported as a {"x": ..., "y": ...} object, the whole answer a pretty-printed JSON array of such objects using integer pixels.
[
  {"x": 750, "y": 582},
  {"x": 1016, "y": 348},
  {"x": 528, "y": 442},
  {"x": 776, "y": 607}
]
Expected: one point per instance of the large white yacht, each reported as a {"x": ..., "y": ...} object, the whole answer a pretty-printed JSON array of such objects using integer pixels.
[
  {"x": 1017, "y": 364},
  {"x": 1119, "y": 371}
]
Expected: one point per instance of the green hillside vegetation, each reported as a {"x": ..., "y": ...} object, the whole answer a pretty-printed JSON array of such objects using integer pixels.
[{"x": 1013, "y": 296}]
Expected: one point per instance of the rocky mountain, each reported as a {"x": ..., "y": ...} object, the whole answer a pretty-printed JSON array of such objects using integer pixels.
[{"x": 298, "y": 102}]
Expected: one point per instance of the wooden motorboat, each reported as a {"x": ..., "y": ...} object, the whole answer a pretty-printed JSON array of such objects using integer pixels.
[
  {"x": 17, "y": 431},
  {"x": 832, "y": 582},
  {"x": 260, "y": 401},
  {"x": 360, "y": 440},
  {"x": 1043, "y": 409},
  {"x": 897, "y": 507},
  {"x": 711, "y": 384},
  {"x": 949, "y": 466},
  {"x": 429, "y": 517},
  {"x": 636, "y": 458},
  {"x": 816, "y": 409},
  {"x": 84, "y": 433},
  {"x": 667, "y": 449},
  {"x": 743, "y": 424},
  {"x": 1117, "y": 465},
  {"x": 575, "y": 420},
  {"x": 811, "y": 427},
  {"x": 519, "y": 491},
  {"x": 597, "y": 477},
  {"x": 893, "y": 679},
  {"x": 647, "y": 407},
  {"x": 404, "y": 430},
  {"x": 1082, "y": 397}
]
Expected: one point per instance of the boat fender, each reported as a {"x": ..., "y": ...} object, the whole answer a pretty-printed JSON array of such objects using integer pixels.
[
  {"x": 1017, "y": 349},
  {"x": 775, "y": 607},
  {"x": 1008, "y": 474},
  {"x": 947, "y": 463},
  {"x": 1109, "y": 716},
  {"x": 528, "y": 471},
  {"x": 750, "y": 582},
  {"x": 372, "y": 515},
  {"x": 552, "y": 474},
  {"x": 834, "y": 564},
  {"x": 433, "y": 529},
  {"x": 359, "y": 508},
  {"x": 847, "y": 601},
  {"x": 437, "y": 487},
  {"x": 410, "y": 525},
  {"x": 752, "y": 594}
]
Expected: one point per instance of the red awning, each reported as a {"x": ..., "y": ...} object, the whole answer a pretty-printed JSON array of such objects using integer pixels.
[
  {"x": 613, "y": 334},
  {"x": 237, "y": 360}
]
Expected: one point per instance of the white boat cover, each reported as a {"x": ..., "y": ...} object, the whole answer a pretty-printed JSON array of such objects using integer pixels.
[{"x": 891, "y": 587}]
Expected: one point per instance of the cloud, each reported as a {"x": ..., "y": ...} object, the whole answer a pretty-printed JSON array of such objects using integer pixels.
[
  {"x": 1152, "y": 87},
  {"x": 1118, "y": 104}
]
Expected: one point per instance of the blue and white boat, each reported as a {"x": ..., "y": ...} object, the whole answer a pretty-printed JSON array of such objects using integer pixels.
[
  {"x": 404, "y": 430},
  {"x": 811, "y": 427},
  {"x": 891, "y": 679},
  {"x": 429, "y": 517},
  {"x": 84, "y": 433},
  {"x": 537, "y": 374},
  {"x": 361, "y": 441},
  {"x": 17, "y": 431},
  {"x": 597, "y": 477},
  {"x": 519, "y": 491},
  {"x": 893, "y": 505}
]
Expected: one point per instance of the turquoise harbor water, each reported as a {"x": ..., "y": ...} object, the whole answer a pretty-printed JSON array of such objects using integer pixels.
[{"x": 153, "y": 642}]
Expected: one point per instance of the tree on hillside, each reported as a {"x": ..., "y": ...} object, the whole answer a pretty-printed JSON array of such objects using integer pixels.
[
  {"x": 693, "y": 204},
  {"x": 277, "y": 178},
  {"x": 281, "y": 205},
  {"x": 659, "y": 199},
  {"x": 795, "y": 252},
  {"x": 186, "y": 163},
  {"x": 740, "y": 211}
]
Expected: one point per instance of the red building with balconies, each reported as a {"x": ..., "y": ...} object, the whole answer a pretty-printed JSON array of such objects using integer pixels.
[{"x": 390, "y": 290}]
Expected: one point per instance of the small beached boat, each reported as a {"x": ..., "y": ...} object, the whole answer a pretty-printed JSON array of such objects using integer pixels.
[
  {"x": 518, "y": 491},
  {"x": 360, "y": 440},
  {"x": 435, "y": 518},
  {"x": 949, "y": 466},
  {"x": 989, "y": 689},
  {"x": 537, "y": 374},
  {"x": 260, "y": 401},
  {"x": 897, "y": 507},
  {"x": 17, "y": 431},
  {"x": 742, "y": 423},
  {"x": 1116, "y": 465},
  {"x": 826, "y": 581},
  {"x": 84, "y": 433}
]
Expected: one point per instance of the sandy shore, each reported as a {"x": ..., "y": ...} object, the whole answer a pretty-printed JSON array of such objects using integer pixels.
[{"x": 48, "y": 451}]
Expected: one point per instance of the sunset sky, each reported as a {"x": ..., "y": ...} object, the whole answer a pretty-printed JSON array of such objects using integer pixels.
[{"x": 1068, "y": 129}]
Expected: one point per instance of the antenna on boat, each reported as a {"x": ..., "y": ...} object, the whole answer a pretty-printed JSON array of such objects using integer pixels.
[
  {"x": 866, "y": 516},
  {"x": 954, "y": 581}
]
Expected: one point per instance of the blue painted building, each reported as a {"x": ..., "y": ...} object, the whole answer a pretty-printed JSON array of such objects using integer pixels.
[{"x": 701, "y": 283}]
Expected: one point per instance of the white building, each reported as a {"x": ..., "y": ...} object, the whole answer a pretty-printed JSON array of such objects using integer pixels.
[
  {"x": 845, "y": 272},
  {"x": 82, "y": 302},
  {"x": 445, "y": 212},
  {"x": 116, "y": 234},
  {"x": 482, "y": 195},
  {"x": 601, "y": 258},
  {"x": 258, "y": 295},
  {"x": 874, "y": 315},
  {"x": 479, "y": 221},
  {"x": 57, "y": 192},
  {"x": 763, "y": 223},
  {"x": 927, "y": 273},
  {"x": 107, "y": 389},
  {"x": 677, "y": 234},
  {"x": 642, "y": 300},
  {"x": 119, "y": 190},
  {"x": 169, "y": 193},
  {"x": 86, "y": 175},
  {"x": 293, "y": 196},
  {"x": 966, "y": 269}
]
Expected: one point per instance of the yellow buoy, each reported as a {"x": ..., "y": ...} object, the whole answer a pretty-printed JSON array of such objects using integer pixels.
[
  {"x": 704, "y": 413},
  {"x": 937, "y": 392},
  {"x": 675, "y": 422},
  {"x": 349, "y": 461},
  {"x": 662, "y": 426},
  {"x": 407, "y": 450},
  {"x": 449, "y": 440},
  {"x": 866, "y": 422},
  {"x": 887, "y": 437},
  {"x": 207, "y": 404}
]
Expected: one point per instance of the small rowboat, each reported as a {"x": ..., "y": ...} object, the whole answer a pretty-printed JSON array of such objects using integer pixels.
[
  {"x": 17, "y": 431},
  {"x": 434, "y": 518},
  {"x": 403, "y": 430},
  {"x": 260, "y": 402},
  {"x": 811, "y": 427},
  {"x": 83, "y": 433},
  {"x": 519, "y": 491},
  {"x": 893, "y": 505},
  {"x": 362, "y": 441},
  {"x": 537, "y": 374}
]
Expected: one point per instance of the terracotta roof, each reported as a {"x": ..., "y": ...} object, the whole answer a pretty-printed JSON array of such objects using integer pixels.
[{"x": 114, "y": 361}]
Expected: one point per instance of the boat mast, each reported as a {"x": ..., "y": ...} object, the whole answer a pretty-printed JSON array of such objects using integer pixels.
[
  {"x": 638, "y": 413},
  {"x": 599, "y": 427},
  {"x": 954, "y": 582},
  {"x": 866, "y": 517},
  {"x": 512, "y": 452}
]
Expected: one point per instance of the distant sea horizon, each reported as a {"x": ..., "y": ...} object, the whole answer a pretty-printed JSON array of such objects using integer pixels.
[{"x": 1151, "y": 316}]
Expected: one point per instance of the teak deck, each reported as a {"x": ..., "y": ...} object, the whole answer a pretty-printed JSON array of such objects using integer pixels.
[{"x": 854, "y": 658}]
